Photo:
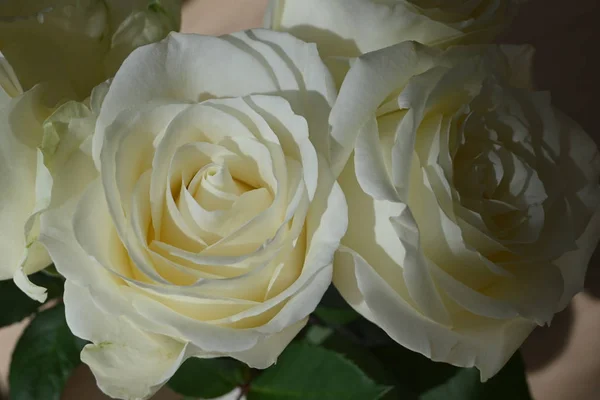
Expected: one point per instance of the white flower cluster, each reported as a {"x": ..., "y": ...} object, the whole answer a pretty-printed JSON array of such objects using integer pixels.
[{"x": 201, "y": 200}]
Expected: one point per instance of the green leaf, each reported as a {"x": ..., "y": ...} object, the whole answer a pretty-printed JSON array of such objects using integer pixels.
[
  {"x": 369, "y": 363},
  {"x": 208, "y": 378},
  {"x": 336, "y": 316},
  {"x": 317, "y": 334},
  {"x": 55, "y": 284},
  {"x": 21, "y": 306},
  {"x": 313, "y": 373},
  {"x": 510, "y": 383},
  {"x": 44, "y": 358},
  {"x": 369, "y": 334},
  {"x": 412, "y": 371}
]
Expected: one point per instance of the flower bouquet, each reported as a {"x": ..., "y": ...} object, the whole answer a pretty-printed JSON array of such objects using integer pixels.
[{"x": 363, "y": 200}]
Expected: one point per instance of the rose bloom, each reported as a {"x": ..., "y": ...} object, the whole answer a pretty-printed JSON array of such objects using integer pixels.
[
  {"x": 473, "y": 203},
  {"x": 212, "y": 226},
  {"x": 38, "y": 131},
  {"x": 56, "y": 51},
  {"x": 80, "y": 42},
  {"x": 349, "y": 28}
]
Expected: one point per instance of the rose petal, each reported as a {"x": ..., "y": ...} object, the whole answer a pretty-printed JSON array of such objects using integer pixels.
[
  {"x": 126, "y": 361},
  {"x": 484, "y": 343}
]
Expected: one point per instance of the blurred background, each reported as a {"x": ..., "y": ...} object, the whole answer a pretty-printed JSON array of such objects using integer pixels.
[{"x": 563, "y": 361}]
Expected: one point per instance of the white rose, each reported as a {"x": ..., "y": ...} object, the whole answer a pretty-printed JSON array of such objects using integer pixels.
[
  {"x": 9, "y": 83},
  {"x": 82, "y": 42},
  {"x": 349, "y": 28},
  {"x": 38, "y": 132},
  {"x": 212, "y": 229},
  {"x": 473, "y": 203}
]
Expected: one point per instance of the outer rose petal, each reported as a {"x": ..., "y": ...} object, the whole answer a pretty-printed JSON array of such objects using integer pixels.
[
  {"x": 79, "y": 42},
  {"x": 350, "y": 28},
  {"x": 34, "y": 150},
  {"x": 26, "y": 188},
  {"x": 488, "y": 344},
  {"x": 9, "y": 84},
  {"x": 586, "y": 157},
  {"x": 128, "y": 363},
  {"x": 257, "y": 62},
  {"x": 36, "y": 256},
  {"x": 573, "y": 265},
  {"x": 370, "y": 80},
  {"x": 354, "y": 27}
]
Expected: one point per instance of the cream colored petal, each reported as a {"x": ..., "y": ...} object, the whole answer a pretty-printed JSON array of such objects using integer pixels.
[
  {"x": 97, "y": 97},
  {"x": 294, "y": 303},
  {"x": 354, "y": 27},
  {"x": 214, "y": 125},
  {"x": 269, "y": 221},
  {"x": 276, "y": 62},
  {"x": 36, "y": 257},
  {"x": 397, "y": 232},
  {"x": 64, "y": 131},
  {"x": 303, "y": 301},
  {"x": 573, "y": 265},
  {"x": 327, "y": 219},
  {"x": 444, "y": 240},
  {"x": 185, "y": 76},
  {"x": 100, "y": 240},
  {"x": 126, "y": 156},
  {"x": 532, "y": 294},
  {"x": 206, "y": 336},
  {"x": 580, "y": 164},
  {"x": 58, "y": 236},
  {"x": 266, "y": 352},
  {"x": 66, "y": 143},
  {"x": 77, "y": 266},
  {"x": 127, "y": 362},
  {"x": 292, "y": 132},
  {"x": 20, "y": 126},
  {"x": 29, "y": 288},
  {"x": 212, "y": 338},
  {"x": 305, "y": 292},
  {"x": 371, "y": 171},
  {"x": 372, "y": 78},
  {"x": 56, "y": 231},
  {"x": 9, "y": 84},
  {"x": 303, "y": 78},
  {"x": 483, "y": 343},
  {"x": 339, "y": 67}
]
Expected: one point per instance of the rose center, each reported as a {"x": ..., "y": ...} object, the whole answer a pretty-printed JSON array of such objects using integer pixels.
[
  {"x": 492, "y": 173},
  {"x": 214, "y": 188}
]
